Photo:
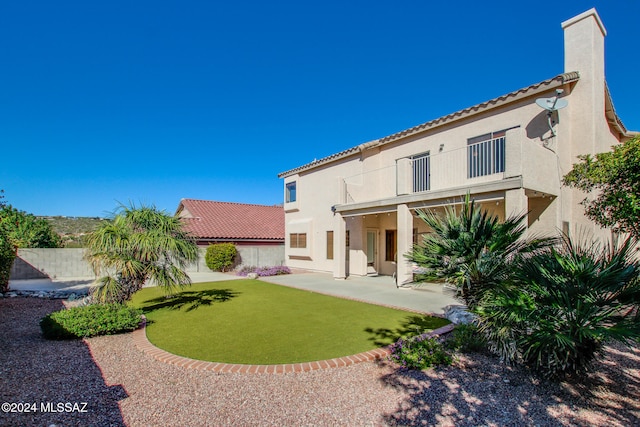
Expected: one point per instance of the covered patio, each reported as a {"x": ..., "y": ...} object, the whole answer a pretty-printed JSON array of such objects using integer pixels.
[{"x": 372, "y": 238}]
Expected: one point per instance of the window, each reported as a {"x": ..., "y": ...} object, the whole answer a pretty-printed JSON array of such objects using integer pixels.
[
  {"x": 421, "y": 172},
  {"x": 298, "y": 240},
  {"x": 329, "y": 244},
  {"x": 290, "y": 192},
  {"x": 390, "y": 245},
  {"x": 486, "y": 154}
]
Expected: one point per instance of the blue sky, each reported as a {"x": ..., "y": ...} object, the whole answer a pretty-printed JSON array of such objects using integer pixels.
[{"x": 154, "y": 101}]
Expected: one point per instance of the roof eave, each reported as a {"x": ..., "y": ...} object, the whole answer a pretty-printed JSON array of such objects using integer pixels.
[
  {"x": 543, "y": 86},
  {"x": 612, "y": 117},
  {"x": 332, "y": 158}
]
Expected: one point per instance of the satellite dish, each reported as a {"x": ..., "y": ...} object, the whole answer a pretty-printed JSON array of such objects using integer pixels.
[{"x": 552, "y": 104}]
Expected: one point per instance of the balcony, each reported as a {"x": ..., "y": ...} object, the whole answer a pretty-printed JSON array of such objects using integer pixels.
[{"x": 478, "y": 164}]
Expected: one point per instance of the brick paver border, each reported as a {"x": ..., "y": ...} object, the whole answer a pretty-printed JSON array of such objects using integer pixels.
[{"x": 141, "y": 341}]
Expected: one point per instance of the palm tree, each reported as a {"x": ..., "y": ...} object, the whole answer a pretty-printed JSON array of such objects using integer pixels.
[
  {"x": 140, "y": 244},
  {"x": 471, "y": 249},
  {"x": 562, "y": 306}
]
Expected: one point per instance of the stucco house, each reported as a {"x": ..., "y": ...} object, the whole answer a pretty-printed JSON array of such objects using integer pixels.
[
  {"x": 256, "y": 230},
  {"x": 353, "y": 213}
]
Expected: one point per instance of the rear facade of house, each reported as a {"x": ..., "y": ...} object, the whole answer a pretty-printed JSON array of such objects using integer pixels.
[{"x": 353, "y": 213}]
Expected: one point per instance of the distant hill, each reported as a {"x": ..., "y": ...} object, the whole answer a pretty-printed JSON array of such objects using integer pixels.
[{"x": 73, "y": 229}]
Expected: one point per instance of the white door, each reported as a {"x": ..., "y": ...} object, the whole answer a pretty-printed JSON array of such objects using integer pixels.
[{"x": 372, "y": 252}]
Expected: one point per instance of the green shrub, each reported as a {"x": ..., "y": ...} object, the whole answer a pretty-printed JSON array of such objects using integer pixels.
[
  {"x": 7, "y": 256},
  {"x": 420, "y": 352},
  {"x": 466, "y": 338},
  {"x": 563, "y": 305},
  {"x": 90, "y": 321},
  {"x": 221, "y": 256}
]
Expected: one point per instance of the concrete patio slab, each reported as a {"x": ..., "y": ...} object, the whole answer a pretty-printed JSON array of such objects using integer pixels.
[{"x": 432, "y": 298}]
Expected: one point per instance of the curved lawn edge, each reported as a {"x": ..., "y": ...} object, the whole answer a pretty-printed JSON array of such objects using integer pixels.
[{"x": 141, "y": 341}]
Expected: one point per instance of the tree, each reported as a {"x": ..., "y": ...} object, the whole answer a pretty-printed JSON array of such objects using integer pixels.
[
  {"x": 7, "y": 252},
  {"x": 7, "y": 255},
  {"x": 140, "y": 244},
  {"x": 616, "y": 176},
  {"x": 26, "y": 230},
  {"x": 471, "y": 248}
]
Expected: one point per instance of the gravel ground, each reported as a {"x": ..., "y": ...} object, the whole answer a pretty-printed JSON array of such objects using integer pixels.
[{"x": 122, "y": 386}]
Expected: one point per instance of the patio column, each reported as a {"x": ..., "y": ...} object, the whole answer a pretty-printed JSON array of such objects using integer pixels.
[
  {"x": 405, "y": 241},
  {"x": 516, "y": 203},
  {"x": 339, "y": 247}
]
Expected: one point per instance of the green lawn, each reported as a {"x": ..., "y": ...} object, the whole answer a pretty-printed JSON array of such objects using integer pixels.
[{"x": 253, "y": 322}]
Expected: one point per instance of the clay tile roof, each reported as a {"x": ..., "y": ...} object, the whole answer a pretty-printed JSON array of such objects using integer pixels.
[
  {"x": 528, "y": 91},
  {"x": 207, "y": 219}
]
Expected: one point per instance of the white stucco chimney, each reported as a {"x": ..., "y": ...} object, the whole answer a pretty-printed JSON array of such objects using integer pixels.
[
  {"x": 584, "y": 52},
  {"x": 587, "y": 130}
]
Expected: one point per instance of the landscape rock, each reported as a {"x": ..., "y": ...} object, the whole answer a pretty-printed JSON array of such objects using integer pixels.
[
  {"x": 459, "y": 314},
  {"x": 71, "y": 296}
]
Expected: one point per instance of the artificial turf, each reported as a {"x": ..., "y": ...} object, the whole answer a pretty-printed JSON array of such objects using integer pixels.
[{"x": 253, "y": 322}]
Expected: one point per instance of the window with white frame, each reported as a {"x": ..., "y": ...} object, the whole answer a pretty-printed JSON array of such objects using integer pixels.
[
  {"x": 290, "y": 192},
  {"x": 486, "y": 154}
]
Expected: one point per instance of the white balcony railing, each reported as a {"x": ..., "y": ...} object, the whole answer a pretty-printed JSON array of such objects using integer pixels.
[
  {"x": 480, "y": 162},
  {"x": 486, "y": 157}
]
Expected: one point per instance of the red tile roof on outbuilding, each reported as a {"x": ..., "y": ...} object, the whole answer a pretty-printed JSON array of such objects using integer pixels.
[{"x": 209, "y": 220}]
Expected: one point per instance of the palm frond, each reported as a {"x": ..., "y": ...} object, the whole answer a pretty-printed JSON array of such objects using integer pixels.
[{"x": 141, "y": 243}]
